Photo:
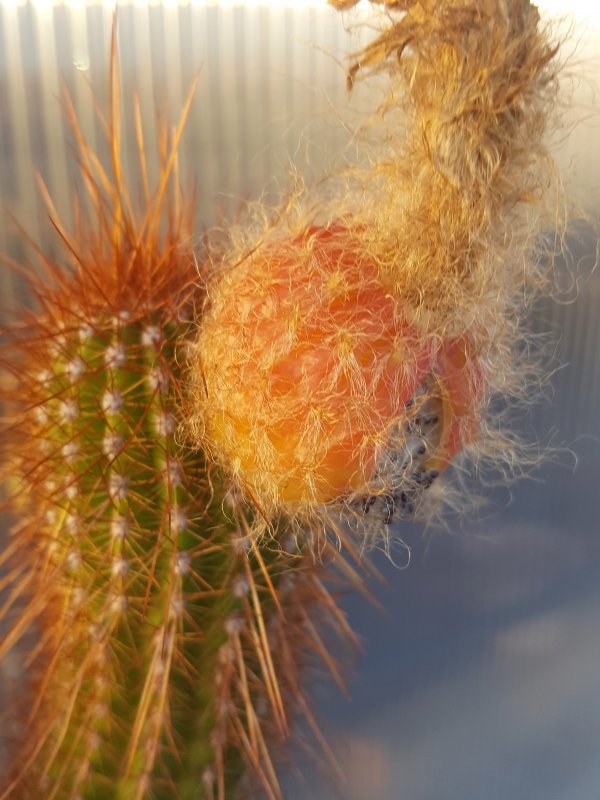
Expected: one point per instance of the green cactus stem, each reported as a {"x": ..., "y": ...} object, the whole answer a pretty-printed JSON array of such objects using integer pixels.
[{"x": 169, "y": 646}]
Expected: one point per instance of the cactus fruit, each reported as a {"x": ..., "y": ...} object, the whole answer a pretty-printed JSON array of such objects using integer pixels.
[
  {"x": 169, "y": 646},
  {"x": 304, "y": 378}
]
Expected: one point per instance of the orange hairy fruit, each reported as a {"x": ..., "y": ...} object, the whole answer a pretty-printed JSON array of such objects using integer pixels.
[
  {"x": 307, "y": 362},
  {"x": 309, "y": 368}
]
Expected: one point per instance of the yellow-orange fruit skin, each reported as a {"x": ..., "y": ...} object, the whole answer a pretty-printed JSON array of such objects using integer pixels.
[{"x": 306, "y": 363}]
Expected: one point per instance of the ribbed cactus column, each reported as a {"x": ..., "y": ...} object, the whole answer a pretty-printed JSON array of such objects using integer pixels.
[
  {"x": 153, "y": 637},
  {"x": 169, "y": 642},
  {"x": 123, "y": 529}
]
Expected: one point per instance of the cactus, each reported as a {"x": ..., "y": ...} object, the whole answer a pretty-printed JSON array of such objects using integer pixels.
[
  {"x": 331, "y": 364},
  {"x": 169, "y": 644}
]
